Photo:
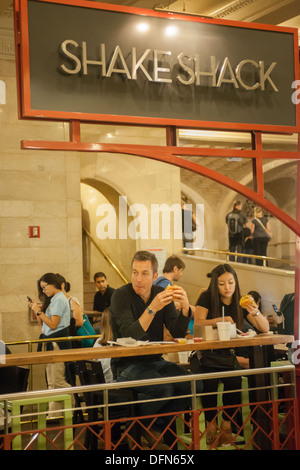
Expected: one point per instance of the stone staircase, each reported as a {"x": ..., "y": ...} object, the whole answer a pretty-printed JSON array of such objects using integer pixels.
[{"x": 89, "y": 291}]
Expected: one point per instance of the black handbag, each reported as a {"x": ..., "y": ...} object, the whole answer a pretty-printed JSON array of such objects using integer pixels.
[{"x": 220, "y": 359}]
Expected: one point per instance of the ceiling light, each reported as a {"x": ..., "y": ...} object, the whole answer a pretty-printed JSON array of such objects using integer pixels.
[{"x": 142, "y": 27}]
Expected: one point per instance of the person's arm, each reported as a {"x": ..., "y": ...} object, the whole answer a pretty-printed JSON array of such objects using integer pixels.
[
  {"x": 177, "y": 322},
  {"x": 95, "y": 306},
  {"x": 268, "y": 230},
  {"x": 243, "y": 361},
  {"x": 244, "y": 219},
  {"x": 50, "y": 322},
  {"x": 162, "y": 299},
  {"x": 181, "y": 300},
  {"x": 42, "y": 318},
  {"x": 37, "y": 309},
  {"x": 56, "y": 315},
  {"x": 256, "y": 318},
  {"x": 77, "y": 313},
  {"x": 201, "y": 317},
  {"x": 123, "y": 322}
]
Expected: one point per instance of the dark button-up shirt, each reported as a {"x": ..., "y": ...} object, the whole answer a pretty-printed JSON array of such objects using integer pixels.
[
  {"x": 126, "y": 309},
  {"x": 102, "y": 301}
]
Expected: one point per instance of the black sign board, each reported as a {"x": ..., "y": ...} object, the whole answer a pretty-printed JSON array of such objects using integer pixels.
[{"x": 105, "y": 63}]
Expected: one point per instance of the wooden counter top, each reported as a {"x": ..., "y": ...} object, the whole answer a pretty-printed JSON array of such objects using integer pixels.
[{"x": 43, "y": 357}]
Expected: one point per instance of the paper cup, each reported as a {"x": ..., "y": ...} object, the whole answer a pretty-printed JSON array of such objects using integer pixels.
[
  {"x": 224, "y": 330},
  {"x": 183, "y": 357},
  {"x": 232, "y": 330}
]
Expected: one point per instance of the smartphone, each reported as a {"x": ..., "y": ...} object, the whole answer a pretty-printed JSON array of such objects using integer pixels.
[
  {"x": 275, "y": 308},
  {"x": 29, "y": 299}
]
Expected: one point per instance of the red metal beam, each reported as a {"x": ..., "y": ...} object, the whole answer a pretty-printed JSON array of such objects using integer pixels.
[{"x": 171, "y": 155}]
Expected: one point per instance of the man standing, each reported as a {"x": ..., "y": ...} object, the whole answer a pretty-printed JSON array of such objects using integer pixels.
[
  {"x": 235, "y": 221},
  {"x": 140, "y": 310},
  {"x": 172, "y": 272},
  {"x": 102, "y": 297}
]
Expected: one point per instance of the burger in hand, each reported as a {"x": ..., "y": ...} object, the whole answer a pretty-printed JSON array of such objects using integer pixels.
[
  {"x": 170, "y": 287},
  {"x": 247, "y": 301}
]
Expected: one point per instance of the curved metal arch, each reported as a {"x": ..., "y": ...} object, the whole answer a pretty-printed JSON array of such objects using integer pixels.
[
  {"x": 163, "y": 154},
  {"x": 173, "y": 155}
]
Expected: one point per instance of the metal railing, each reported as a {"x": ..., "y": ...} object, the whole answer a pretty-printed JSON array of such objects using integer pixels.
[
  {"x": 30, "y": 342},
  {"x": 271, "y": 387},
  {"x": 107, "y": 258},
  {"x": 237, "y": 256}
]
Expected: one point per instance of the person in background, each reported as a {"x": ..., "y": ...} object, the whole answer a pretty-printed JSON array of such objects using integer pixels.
[
  {"x": 261, "y": 234},
  {"x": 102, "y": 298},
  {"x": 106, "y": 336},
  {"x": 286, "y": 325},
  {"x": 75, "y": 309},
  {"x": 172, "y": 272},
  {"x": 235, "y": 221},
  {"x": 222, "y": 295},
  {"x": 247, "y": 245},
  {"x": 54, "y": 317}
]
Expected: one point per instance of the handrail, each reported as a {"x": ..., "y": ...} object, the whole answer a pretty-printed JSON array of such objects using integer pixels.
[
  {"x": 242, "y": 255},
  {"x": 161, "y": 380},
  {"x": 108, "y": 259},
  {"x": 281, "y": 243},
  {"x": 30, "y": 342},
  {"x": 51, "y": 340},
  {"x": 264, "y": 259}
]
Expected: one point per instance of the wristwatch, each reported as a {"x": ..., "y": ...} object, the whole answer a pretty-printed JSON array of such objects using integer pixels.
[
  {"x": 150, "y": 311},
  {"x": 38, "y": 314},
  {"x": 255, "y": 314}
]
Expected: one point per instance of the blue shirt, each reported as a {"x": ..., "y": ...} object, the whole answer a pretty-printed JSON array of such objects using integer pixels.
[
  {"x": 162, "y": 281},
  {"x": 59, "y": 306}
]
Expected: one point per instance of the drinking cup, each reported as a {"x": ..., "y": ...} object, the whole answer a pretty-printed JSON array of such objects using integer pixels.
[
  {"x": 232, "y": 330},
  {"x": 224, "y": 330}
]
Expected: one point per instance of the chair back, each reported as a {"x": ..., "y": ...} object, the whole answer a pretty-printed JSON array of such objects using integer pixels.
[{"x": 90, "y": 372}]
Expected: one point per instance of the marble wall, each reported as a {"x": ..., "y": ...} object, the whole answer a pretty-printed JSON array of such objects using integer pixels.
[
  {"x": 42, "y": 188},
  {"x": 36, "y": 189}
]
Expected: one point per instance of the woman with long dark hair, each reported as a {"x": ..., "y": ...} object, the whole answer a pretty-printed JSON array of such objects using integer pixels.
[
  {"x": 222, "y": 295},
  {"x": 54, "y": 316}
]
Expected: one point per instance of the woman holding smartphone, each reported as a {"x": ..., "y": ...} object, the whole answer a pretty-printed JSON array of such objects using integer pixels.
[
  {"x": 54, "y": 316},
  {"x": 222, "y": 295}
]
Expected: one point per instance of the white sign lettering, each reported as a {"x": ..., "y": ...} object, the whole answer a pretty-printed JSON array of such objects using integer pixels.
[{"x": 155, "y": 66}]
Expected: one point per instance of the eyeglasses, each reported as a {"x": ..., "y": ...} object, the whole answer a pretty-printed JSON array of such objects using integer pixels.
[{"x": 44, "y": 286}]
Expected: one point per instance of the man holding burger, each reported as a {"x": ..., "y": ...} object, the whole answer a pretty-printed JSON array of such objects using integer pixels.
[{"x": 140, "y": 310}]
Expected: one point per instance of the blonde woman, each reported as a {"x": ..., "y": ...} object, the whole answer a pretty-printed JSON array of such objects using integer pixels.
[
  {"x": 261, "y": 234},
  {"x": 106, "y": 335}
]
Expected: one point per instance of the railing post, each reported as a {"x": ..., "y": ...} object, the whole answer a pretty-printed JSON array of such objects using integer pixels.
[
  {"x": 195, "y": 430},
  {"x": 107, "y": 435}
]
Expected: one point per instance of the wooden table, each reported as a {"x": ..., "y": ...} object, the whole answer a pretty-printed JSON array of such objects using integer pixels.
[{"x": 44, "y": 357}]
